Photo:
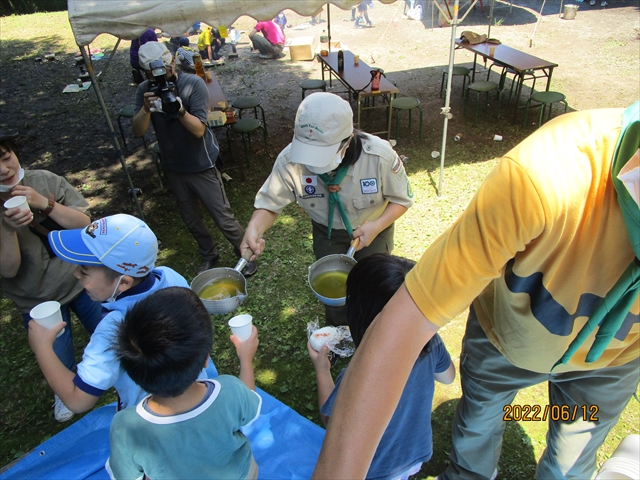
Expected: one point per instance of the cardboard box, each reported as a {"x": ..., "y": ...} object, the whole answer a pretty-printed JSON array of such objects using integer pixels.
[
  {"x": 302, "y": 48},
  {"x": 216, "y": 118}
]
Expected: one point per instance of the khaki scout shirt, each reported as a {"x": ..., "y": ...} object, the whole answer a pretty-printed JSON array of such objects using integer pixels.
[{"x": 377, "y": 178}]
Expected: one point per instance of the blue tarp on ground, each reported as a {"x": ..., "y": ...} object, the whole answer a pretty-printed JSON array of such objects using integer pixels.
[{"x": 285, "y": 446}]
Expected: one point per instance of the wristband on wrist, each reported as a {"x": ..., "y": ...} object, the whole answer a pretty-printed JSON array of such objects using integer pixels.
[{"x": 50, "y": 205}]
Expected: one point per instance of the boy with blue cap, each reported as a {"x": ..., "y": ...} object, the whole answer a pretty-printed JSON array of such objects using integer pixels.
[{"x": 116, "y": 258}]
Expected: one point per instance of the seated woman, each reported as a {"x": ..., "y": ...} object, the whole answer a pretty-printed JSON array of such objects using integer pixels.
[{"x": 30, "y": 273}]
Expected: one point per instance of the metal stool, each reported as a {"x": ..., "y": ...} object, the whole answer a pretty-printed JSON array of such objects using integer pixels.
[
  {"x": 312, "y": 85},
  {"x": 526, "y": 75},
  {"x": 407, "y": 103},
  {"x": 158, "y": 160},
  {"x": 482, "y": 87},
  {"x": 245, "y": 126},
  {"x": 129, "y": 111},
  {"x": 249, "y": 103},
  {"x": 464, "y": 72},
  {"x": 544, "y": 99}
]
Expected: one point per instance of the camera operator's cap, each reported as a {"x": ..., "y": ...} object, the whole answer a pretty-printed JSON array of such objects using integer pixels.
[
  {"x": 184, "y": 42},
  {"x": 323, "y": 120},
  {"x": 121, "y": 242},
  {"x": 4, "y": 137},
  {"x": 151, "y": 51}
]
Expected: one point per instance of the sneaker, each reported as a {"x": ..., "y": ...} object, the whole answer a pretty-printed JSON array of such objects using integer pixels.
[
  {"x": 265, "y": 56},
  {"x": 592, "y": 3},
  {"x": 250, "y": 269},
  {"x": 60, "y": 411},
  {"x": 604, "y": 3},
  {"x": 208, "y": 264}
]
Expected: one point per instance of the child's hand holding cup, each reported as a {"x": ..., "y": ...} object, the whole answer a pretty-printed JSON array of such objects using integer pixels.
[
  {"x": 48, "y": 315},
  {"x": 245, "y": 336}
]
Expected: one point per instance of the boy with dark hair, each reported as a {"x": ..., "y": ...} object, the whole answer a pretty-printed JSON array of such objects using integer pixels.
[
  {"x": 116, "y": 258},
  {"x": 406, "y": 443},
  {"x": 162, "y": 344}
]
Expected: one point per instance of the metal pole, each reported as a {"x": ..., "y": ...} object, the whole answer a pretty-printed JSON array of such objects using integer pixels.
[
  {"x": 446, "y": 109},
  {"x": 329, "y": 27},
  {"x": 113, "y": 52},
  {"x": 490, "y": 19},
  {"x": 114, "y": 138}
]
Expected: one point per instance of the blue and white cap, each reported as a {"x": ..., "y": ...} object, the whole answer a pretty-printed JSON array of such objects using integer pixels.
[{"x": 121, "y": 242}]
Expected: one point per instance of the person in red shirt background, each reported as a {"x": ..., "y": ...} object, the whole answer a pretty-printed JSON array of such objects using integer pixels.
[{"x": 271, "y": 42}]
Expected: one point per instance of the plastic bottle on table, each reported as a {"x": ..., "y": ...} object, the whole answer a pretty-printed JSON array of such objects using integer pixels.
[
  {"x": 340, "y": 60},
  {"x": 197, "y": 63}
]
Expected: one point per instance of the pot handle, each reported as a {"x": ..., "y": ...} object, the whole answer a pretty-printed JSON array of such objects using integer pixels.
[
  {"x": 243, "y": 261},
  {"x": 354, "y": 245}
]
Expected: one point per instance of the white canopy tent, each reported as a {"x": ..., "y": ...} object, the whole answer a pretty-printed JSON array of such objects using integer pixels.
[{"x": 128, "y": 19}]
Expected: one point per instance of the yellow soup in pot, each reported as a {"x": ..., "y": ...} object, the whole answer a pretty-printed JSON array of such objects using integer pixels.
[
  {"x": 331, "y": 284},
  {"x": 221, "y": 289}
]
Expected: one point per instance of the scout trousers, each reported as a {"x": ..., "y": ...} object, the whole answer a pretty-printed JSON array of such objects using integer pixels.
[
  {"x": 339, "y": 243},
  {"x": 205, "y": 188},
  {"x": 490, "y": 381}
]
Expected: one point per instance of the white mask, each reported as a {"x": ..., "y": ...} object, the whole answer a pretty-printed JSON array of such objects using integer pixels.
[
  {"x": 7, "y": 188},
  {"x": 115, "y": 293},
  {"x": 335, "y": 163}
]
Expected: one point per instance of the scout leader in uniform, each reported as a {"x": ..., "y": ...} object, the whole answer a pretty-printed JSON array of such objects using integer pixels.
[{"x": 341, "y": 177}]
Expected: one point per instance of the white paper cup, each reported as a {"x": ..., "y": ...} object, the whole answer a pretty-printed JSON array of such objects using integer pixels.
[
  {"x": 497, "y": 138},
  {"x": 48, "y": 315},
  {"x": 20, "y": 201},
  {"x": 241, "y": 326}
]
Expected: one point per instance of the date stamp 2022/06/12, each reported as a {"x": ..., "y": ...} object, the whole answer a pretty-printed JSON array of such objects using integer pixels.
[{"x": 555, "y": 413}]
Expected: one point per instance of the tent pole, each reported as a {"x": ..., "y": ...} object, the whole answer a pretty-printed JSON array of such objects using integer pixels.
[
  {"x": 114, "y": 138},
  {"x": 113, "y": 53},
  {"x": 537, "y": 23},
  {"x": 329, "y": 24},
  {"x": 490, "y": 19},
  {"x": 446, "y": 109}
]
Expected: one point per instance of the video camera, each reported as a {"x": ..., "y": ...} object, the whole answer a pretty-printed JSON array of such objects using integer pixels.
[{"x": 164, "y": 89}]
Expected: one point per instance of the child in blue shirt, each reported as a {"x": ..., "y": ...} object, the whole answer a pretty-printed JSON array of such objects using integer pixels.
[
  {"x": 186, "y": 428},
  {"x": 406, "y": 442},
  {"x": 116, "y": 258}
]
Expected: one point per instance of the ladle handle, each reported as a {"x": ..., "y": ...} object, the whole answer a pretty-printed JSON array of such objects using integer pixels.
[
  {"x": 354, "y": 245},
  {"x": 246, "y": 256}
]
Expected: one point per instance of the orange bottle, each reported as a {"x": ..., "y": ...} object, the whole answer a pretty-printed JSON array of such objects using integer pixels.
[{"x": 197, "y": 63}]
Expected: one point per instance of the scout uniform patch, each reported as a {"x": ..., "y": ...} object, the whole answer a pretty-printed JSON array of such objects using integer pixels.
[{"x": 369, "y": 185}]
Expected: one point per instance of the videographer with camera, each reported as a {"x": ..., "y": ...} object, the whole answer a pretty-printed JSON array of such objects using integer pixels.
[{"x": 176, "y": 103}]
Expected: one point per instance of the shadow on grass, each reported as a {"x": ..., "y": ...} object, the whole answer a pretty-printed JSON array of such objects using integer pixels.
[{"x": 517, "y": 461}]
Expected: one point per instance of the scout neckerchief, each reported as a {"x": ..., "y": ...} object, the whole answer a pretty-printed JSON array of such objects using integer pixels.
[
  {"x": 332, "y": 185},
  {"x": 613, "y": 310}
]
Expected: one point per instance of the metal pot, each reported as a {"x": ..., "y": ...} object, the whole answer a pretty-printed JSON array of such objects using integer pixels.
[
  {"x": 225, "y": 305},
  {"x": 333, "y": 263}
]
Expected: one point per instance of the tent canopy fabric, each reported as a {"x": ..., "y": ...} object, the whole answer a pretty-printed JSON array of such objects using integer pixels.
[{"x": 128, "y": 19}]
